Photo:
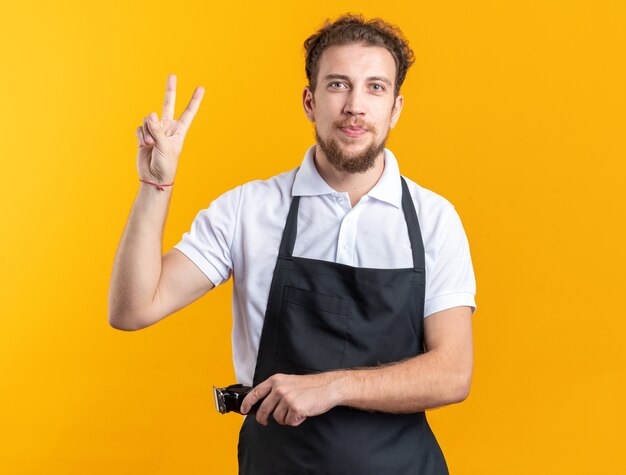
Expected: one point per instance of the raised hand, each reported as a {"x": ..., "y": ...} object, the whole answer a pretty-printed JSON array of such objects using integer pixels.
[{"x": 161, "y": 141}]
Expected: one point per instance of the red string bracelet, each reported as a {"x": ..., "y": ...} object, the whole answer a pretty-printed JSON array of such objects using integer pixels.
[{"x": 160, "y": 187}]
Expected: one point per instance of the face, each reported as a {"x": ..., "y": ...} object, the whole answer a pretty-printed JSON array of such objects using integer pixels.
[{"x": 353, "y": 107}]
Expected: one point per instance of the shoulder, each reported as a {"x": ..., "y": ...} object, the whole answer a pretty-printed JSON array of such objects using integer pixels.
[
  {"x": 278, "y": 186},
  {"x": 440, "y": 223},
  {"x": 259, "y": 192},
  {"x": 429, "y": 205}
]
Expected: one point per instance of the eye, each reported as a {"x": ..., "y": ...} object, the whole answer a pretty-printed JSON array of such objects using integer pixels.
[
  {"x": 380, "y": 87},
  {"x": 333, "y": 83}
]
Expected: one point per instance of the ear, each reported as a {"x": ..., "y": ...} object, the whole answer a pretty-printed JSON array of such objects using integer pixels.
[
  {"x": 308, "y": 102},
  {"x": 395, "y": 112}
]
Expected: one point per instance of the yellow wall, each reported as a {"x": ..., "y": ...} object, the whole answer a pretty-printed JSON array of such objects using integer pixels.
[{"x": 514, "y": 111}]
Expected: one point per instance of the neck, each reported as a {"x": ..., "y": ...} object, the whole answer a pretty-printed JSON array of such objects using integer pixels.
[{"x": 356, "y": 184}]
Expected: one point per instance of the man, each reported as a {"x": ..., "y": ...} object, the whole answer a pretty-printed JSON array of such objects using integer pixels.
[{"x": 353, "y": 285}]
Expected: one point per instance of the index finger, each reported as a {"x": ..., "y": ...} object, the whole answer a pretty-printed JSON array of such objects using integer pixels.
[
  {"x": 170, "y": 98},
  {"x": 252, "y": 398},
  {"x": 190, "y": 112}
]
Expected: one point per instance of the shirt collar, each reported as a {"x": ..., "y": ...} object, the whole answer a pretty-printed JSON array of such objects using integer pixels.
[{"x": 308, "y": 181}]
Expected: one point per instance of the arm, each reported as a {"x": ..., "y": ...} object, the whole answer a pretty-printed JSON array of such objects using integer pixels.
[
  {"x": 440, "y": 376},
  {"x": 145, "y": 286},
  {"x": 137, "y": 265}
]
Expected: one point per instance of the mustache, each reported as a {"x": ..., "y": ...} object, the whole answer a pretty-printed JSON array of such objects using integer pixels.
[{"x": 363, "y": 125}]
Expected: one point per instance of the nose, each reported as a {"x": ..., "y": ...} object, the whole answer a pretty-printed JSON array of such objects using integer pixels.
[{"x": 354, "y": 103}]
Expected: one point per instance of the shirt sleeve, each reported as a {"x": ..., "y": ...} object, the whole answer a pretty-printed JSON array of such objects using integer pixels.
[
  {"x": 208, "y": 244},
  {"x": 452, "y": 282}
]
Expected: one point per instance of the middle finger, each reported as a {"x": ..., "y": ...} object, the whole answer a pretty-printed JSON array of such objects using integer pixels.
[
  {"x": 266, "y": 408},
  {"x": 280, "y": 413},
  {"x": 170, "y": 98}
]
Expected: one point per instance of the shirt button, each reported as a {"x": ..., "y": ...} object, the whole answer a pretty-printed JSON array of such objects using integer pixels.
[{"x": 340, "y": 198}]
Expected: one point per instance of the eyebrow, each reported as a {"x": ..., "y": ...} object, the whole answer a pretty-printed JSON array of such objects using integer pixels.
[{"x": 371, "y": 78}]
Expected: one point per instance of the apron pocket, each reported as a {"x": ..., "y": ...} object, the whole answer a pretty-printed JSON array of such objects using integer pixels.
[{"x": 312, "y": 329}]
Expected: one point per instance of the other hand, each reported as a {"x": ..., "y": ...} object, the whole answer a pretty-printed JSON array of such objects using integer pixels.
[{"x": 292, "y": 398}]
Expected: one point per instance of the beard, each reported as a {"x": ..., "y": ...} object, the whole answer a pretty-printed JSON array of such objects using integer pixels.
[{"x": 356, "y": 164}]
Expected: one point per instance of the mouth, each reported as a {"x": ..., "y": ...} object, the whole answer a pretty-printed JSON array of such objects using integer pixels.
[{"x": 352, "y": 131}]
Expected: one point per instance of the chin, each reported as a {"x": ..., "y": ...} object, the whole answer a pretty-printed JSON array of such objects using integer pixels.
[{"x": 356, "y": 147}]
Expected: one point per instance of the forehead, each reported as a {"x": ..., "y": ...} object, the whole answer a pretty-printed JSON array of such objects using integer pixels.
[{"x": 357, "y": 60}]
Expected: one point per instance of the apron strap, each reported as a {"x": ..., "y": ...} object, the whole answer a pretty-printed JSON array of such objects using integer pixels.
[
  {"x": 288, "y": 240},
  {"x": 412, "y": 223}
]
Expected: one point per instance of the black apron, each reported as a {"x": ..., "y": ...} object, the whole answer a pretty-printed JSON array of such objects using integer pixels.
[{"x": 324, "y": 316}]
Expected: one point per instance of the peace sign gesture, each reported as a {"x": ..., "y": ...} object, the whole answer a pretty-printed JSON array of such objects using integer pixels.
[{"x": 161, "y": 141}]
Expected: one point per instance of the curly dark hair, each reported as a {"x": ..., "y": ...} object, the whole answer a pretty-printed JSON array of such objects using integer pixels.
[{"x": 353, "y": 28}]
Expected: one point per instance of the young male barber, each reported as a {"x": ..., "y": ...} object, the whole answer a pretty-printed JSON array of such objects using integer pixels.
[{"x": 353, "y": 285}]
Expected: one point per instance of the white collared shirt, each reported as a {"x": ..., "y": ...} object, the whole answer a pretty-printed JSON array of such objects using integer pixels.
[{"x": 239, "y": 234}]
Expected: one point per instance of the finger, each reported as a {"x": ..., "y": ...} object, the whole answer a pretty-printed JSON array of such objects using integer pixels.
[
  {"x": 147, "y": 136},
  {"x": 170, "y": 98},
  {"x": 253, "y": 396},
  {"x": 293, "y": 418},
  {"x": 139, "y": 132},
  {"x": 190, "y": 112},
  {"x": 266, "y": 408},
  {"x": 281, "y": 411}
]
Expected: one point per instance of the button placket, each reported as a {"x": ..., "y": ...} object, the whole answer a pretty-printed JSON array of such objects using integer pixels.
[{"x": 347, "y": 237}]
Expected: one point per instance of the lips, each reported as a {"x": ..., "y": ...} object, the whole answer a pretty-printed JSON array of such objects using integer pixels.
[{"x": 353, "y": 131}]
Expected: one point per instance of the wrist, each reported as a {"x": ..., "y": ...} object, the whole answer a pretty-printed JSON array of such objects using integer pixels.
[
  {"x": 338, "y": 386},
  {"x": 159, "y": 185}
]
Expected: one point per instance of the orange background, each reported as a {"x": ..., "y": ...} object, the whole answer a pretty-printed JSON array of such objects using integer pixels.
[{"x": 514, "y": 111}]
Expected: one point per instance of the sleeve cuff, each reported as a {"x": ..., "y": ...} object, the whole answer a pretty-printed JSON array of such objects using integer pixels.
[
  {"x": 199, "y": 260},
  {"x": 444, "y": 302}
]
